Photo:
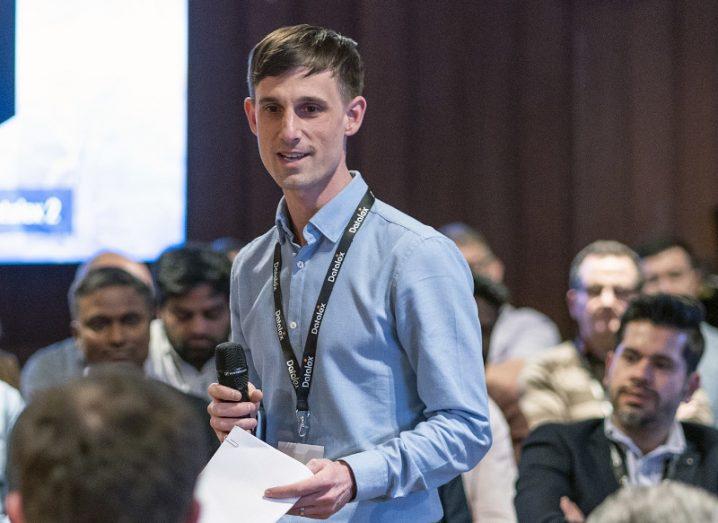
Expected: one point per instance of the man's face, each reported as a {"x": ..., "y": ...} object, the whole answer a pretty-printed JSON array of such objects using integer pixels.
[
  {"x": 647, "y": 376},
  {"x": 482, "y": 261},
  {"x": 607, "y": 285},
  {"x": 670, "y": 272},
  {"x": 113, "y": 325},
  {"x": 196, "y": 323},
  {"x": 301, "y": 123}
]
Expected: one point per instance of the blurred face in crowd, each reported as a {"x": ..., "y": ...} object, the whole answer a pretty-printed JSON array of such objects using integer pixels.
[
  {"x": 647, "y": 377},
  {"x": 488, "y": 315},
  {"x": 196, "y": 323},
  {"x": 113, "y": 325},
  {"x": 482, "y": 261},
  {"x": 671, "y": 272},
  {"x": 607, "y": 284}
]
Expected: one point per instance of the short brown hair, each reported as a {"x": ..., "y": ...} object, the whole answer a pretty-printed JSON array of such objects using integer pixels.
[
  {"x": 315, "y": 48},
  {"x": 114, "y": 446}
]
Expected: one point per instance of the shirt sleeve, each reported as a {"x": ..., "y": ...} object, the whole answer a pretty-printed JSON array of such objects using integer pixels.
[{"x": 438, "y": 329}]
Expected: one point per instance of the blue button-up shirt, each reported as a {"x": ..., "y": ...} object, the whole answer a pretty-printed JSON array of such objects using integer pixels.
[{"x": 398, "y": 389}]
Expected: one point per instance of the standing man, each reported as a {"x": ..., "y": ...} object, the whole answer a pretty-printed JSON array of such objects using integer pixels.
[
  {"x": 569, "y": 469},
  {"x": 390, "y": 393},
  {"x": 192, "y": 283}
]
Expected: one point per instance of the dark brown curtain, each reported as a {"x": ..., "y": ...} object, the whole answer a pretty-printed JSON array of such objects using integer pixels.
[{"x": 546, "y": 125}]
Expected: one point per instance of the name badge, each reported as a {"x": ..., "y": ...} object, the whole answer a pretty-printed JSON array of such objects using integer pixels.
[{"x": 301, "y": 451}]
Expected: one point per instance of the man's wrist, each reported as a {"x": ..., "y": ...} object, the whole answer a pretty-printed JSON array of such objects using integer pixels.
[{"x": 351, "y": 478}]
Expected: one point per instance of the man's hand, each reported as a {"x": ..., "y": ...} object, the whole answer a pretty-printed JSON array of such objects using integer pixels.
[
  {"x": 571, "y": 511},
  {"x": 322, "y": 495},
  {"x": 229, "y": 409}
]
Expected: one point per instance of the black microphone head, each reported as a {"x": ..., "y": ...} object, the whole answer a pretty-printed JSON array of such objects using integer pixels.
[{"x": 232, "y": 369}]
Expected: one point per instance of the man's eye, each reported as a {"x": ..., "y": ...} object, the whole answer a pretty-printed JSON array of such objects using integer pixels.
[
  {"x": 271, "y": 108},
  {"x": 311, "y": 109},
  {"x": 96, "y": 325}
]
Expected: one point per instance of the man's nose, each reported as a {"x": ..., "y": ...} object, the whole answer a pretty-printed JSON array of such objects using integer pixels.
[
  {"x": 642, "y": 370},
  {"x": 116, "y": 334},
  {"x": 607, "y": 296},
  {"x": 290, "y": 127},
  {"x": 198, "y": 324}
]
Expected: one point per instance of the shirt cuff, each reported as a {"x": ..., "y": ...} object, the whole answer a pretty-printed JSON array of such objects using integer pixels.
[{"x": 370, "y": 474}]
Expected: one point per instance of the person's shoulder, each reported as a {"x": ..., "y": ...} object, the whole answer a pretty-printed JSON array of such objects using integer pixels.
[
  {"x": 575, "y": 431},
  {"x": 701, "y": 435},
  {"x": 398, "y": 222},
  {"x": 524, "y": 315},
  {"x": 49, "y": 355},
  {"x": 558, "y": 357},
  {"x": 257, "y": 252}
]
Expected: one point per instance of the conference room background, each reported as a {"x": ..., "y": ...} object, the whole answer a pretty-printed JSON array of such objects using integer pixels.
[{"x": 545, "y": 125}]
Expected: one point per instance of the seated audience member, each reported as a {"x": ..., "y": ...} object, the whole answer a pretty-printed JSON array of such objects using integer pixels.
[
  {"x": 518, "y": 332},
  {"x": 11, "y": 405},
  {"x": 670, "y": 266},
  {"x": 667, "y": 502},
  {"x": 564, "y": 384},
  {"x": 192, "y": 283},
  {"x": 490, "y": 296},
  {"x": 9, "y": 367},
  {"x": 490, "y": 486},
  {"x": 62, "y": 361},
  {"x": 112, "y": 311},
  {"x": 651, "y": 371},
  {"x": 96, "y": 449}
]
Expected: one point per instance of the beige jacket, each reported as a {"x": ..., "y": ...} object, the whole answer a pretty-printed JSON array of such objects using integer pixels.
[{"x": 557, "y": 387}]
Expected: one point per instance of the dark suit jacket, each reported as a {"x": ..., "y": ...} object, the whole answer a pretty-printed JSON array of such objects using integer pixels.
[{"x": 574, "y": 460}]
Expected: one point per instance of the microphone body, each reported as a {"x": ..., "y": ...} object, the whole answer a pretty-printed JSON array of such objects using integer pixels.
[{"x": 232, "y": 370}]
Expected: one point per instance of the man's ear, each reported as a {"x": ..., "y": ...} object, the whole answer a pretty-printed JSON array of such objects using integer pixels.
[
  {"x": 13, "y": 507},
  {"x": 354, "y": 115},
  {"x": 693, "y": 382},
  {"x": 609, "y": 360},
  {"x": 571, "y": 302},
  {"x": 251, "y": 115}
]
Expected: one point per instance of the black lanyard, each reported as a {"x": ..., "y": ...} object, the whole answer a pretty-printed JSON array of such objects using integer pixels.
[{"x": 301, "y": 377}]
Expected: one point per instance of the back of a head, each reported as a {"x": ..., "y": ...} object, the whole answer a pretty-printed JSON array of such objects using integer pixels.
[
  {"x": 667, "y": 502},
  {"x": 315, "y": 48},
  {"x": 180, "y": 269},
  {"x": 112, "y": 447}
]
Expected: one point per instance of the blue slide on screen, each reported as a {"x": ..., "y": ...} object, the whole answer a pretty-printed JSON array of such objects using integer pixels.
[{"x": 93, "y": 119}]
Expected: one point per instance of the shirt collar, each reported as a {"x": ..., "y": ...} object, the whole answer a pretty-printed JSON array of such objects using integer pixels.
[
  {"x": 674, "y": 444},
  {"x": 331, "y": 219}
]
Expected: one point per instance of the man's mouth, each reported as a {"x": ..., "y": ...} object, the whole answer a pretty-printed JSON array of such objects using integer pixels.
[{"x": 292, "y": 157}]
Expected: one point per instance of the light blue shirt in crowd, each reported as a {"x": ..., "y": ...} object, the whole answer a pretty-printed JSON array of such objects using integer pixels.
[
  {"x": 398, "y": 390},
  {"x": 708, "y": 367}
]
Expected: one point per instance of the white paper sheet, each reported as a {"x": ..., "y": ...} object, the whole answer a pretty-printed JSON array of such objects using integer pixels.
[{"x": 231, "y": 487}]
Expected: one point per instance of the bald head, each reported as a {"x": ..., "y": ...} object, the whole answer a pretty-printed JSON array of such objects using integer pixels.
[{"x": 116, "y": 260}]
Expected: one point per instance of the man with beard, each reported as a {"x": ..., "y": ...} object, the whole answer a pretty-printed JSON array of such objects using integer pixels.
[
  {"x": 192, "y": 285},
  {"x": 567, "y": 470},
  {"x": 564, "y": 384}
]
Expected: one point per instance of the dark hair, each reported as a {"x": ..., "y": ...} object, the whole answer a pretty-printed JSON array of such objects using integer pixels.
[
  {"x": 602, "y": 248},
  {"x": 96, "y": 279},
  {"x": 463, "y": 234},
  {"x": 678, "y": 312},
  {"x": 659, "y": 245},
  {"x": 96, "y": 450},
  {"x": 180, "y": 269},
  {"x": 493, "y": 292},
  {"x": 315, "y": 48}
]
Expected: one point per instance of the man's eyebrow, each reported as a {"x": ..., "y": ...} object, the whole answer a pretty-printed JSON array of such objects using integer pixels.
[{"x": 302, "y": 99}]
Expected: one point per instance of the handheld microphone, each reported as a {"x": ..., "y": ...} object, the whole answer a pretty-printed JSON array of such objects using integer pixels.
[{"x": 232, "y": 368}]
